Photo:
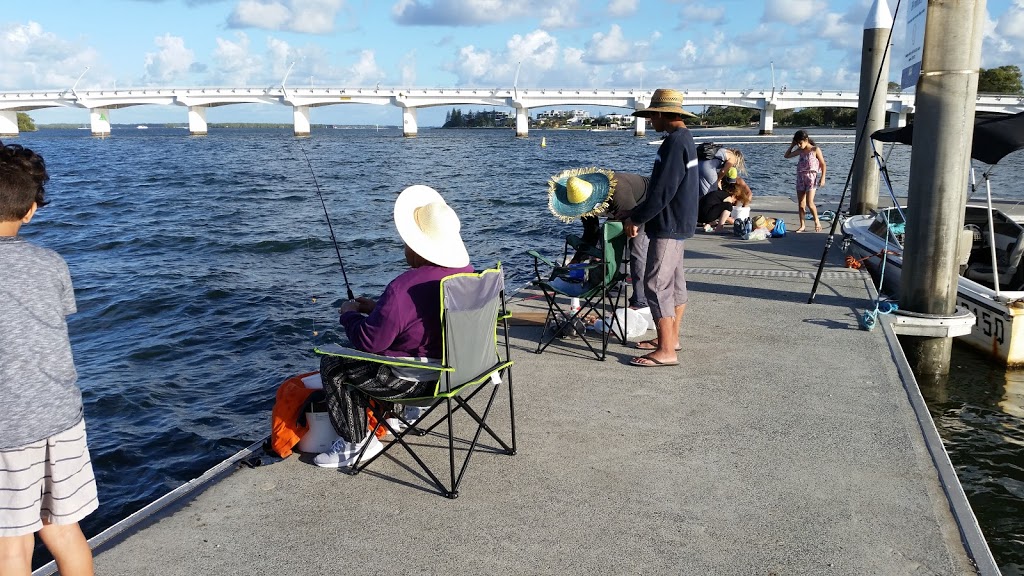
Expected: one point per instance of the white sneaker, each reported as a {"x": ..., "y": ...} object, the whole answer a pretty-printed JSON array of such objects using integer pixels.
[
  {"x": 411, "y": 415},
  {"x": 344, "y": 453}
]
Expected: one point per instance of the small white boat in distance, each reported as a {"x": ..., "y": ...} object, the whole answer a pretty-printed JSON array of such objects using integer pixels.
[{"x": 142, "y": 127}]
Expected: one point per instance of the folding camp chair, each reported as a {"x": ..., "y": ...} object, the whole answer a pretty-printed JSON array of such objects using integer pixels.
[
  {"x": 472, "y": 309},
  {"x": 601, "y": 292}
]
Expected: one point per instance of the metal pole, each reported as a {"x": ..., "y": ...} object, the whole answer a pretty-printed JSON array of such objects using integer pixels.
[
  {"x": 939, "y": 163},
  {"x": 874, "y": 63}
]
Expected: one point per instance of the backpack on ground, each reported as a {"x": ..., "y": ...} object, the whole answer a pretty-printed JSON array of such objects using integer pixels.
[
  {"x": 707, "y": 150},
  {"x": 741, "y": 227},
  {"x": 780, "y": 228}
]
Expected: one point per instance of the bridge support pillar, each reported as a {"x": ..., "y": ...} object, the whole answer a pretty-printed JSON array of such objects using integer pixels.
[
  {"x": 197, "y": 120},
  {"x": 300, "y": 120},
  {"x": 897, "y": 119},
  {"x": 767, "y": 125},
  {"x": 522, "y": 122},
  {"x": 409, "y": 126},
  {"x": 8, "y": 123},
  {"x": 639, "y": 126},
  {"x": 99, "y": 121}
]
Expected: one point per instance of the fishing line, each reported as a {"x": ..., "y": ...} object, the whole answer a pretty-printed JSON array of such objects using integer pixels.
[
  {"x": 329, "y": 227},
  {"x": 856, "y": 151}
]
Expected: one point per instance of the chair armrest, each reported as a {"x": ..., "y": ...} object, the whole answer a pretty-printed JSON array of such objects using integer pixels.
[
  {"x": 337, "y": 350},
  {"x": 576, "y": 242},
  {"x": 537, "y": 256}
]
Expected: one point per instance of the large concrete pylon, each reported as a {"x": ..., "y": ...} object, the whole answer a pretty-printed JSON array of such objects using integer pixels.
[
  {"x": 939, "y": 166},
  {"x": 8, "y": 123},
  {"x": 874, "y": 84},
  {"x": 99, "y": 121}
]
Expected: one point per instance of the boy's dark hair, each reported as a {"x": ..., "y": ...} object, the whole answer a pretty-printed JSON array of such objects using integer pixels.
[{"x": 22, "y": 177}]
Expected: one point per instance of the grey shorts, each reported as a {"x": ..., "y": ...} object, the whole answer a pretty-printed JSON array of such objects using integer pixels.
[
  {"x": 665, "y": 280},
  {"x": 50, "y": 480}
]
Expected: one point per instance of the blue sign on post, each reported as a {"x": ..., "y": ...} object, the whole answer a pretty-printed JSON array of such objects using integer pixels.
[{"x": 914, "y": 51}]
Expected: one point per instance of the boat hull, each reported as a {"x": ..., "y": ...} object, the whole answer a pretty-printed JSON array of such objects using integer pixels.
[{"x": 999, "y": 321}]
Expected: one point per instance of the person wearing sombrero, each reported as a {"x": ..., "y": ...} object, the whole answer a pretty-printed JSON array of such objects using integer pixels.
[
  {"x": 405, "y": 322},
  {"x": 669, "y": 213},
  {"x": 589, "y": 194}
]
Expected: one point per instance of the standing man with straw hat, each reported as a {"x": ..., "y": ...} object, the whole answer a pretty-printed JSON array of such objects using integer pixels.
[{"x": 669, "y": 213}]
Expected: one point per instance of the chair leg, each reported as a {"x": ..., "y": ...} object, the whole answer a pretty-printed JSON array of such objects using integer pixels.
[{"x": 451, "y": 489}]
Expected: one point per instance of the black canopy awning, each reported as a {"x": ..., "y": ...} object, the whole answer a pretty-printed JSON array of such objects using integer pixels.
[{"x": 995, "y": 136}]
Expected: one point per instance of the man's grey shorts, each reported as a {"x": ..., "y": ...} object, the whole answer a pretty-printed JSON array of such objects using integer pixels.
[{"x": 665, "y": 280}]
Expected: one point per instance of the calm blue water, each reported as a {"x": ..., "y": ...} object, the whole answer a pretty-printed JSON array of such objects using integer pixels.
[{"x": 203, "y": 268}]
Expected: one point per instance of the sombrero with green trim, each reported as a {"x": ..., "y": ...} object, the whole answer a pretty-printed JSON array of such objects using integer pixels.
[{"x": 580, "y": 192}]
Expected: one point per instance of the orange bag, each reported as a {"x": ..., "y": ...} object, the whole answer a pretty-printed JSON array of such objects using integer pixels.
[{"x": 285, "y": 431}]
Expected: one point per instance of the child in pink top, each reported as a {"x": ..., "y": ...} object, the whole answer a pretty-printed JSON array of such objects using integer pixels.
[{"x": 810, "y": 175}]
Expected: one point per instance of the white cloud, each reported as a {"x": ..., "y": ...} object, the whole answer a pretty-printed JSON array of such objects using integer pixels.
[
  {"x": 792, "y": 11},
  {"x": 703, "y": 13},
  {"x": 1011, "y": 24},
  {"x": 620, "y": 8},
  {"x": 365, "y": 71},
  {"x": 840, "y": 33},
  {"x": 170, "y": 63},
  {"x": 689, "y": 51},
  {"x": 612, "y": 48},
  {"x": 552, "y": 13},
  {"x": 234, "y": 65},
  {"x": 542, "y": 63},
  {"x": 1004, "y": 38},
  {"x": 30, "y": 57},
  {"x": 409, "y": 69},
  {"x": 459, "y": 12},
  {"x": 559, "y": 14},
  {"x": 304, "y": 16}
]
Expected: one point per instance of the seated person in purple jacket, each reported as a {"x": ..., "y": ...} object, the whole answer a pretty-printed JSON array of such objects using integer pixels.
[{"x": 405, "y": 322}]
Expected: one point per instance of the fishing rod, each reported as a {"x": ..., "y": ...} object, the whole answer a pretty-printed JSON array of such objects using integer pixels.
[
  {"x": 853, "y": 163},
  {"x": 329, "y": 227}
]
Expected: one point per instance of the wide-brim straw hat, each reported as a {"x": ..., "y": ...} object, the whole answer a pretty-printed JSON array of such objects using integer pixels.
[
  {"x": 665, "y": 100},
  {"x": 430, "y": 227},
  {"x": 580, "y": 192}
]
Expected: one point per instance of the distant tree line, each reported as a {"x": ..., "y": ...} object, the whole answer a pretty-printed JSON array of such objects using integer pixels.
[
  {"x": 737, "y": 116},
  {"x": 483, "y": 119},
  {"x": 1002, "y": 80}
]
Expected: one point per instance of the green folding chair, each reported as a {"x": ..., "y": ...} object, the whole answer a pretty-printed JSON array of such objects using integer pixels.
[
  {"x": 602, "y": 291},
  {"x": 473, "y": 360}
]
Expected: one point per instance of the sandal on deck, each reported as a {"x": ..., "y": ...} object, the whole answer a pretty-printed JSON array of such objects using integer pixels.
[
  {"x": 648, "y": 362},
  {"x": 651, "y": 344}
]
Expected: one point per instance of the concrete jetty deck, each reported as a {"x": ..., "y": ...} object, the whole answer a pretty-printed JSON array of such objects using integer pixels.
[{"x": 785, "y": 443}]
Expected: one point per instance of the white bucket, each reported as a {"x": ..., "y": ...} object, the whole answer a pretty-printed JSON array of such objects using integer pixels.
[
  {"x": 321, "y": 433},
  {"x": 313, "y": 382},
  {"x": 740, "y": 212}
]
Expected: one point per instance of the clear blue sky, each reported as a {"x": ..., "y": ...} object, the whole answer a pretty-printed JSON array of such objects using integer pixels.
[{"x": 685, "y": 44}]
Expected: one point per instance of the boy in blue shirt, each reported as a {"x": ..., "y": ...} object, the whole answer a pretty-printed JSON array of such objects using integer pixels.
[{"x": 46, "y": 478}]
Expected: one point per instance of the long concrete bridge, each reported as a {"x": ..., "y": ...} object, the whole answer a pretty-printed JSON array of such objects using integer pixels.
[{"x": 99, "y": 103}]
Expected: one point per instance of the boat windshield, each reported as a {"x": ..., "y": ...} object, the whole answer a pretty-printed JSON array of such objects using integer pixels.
[{"x": 891, "y": 220}]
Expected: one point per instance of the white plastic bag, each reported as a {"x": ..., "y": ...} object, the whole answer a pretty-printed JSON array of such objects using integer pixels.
[{"x": 635, "y": 323}]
